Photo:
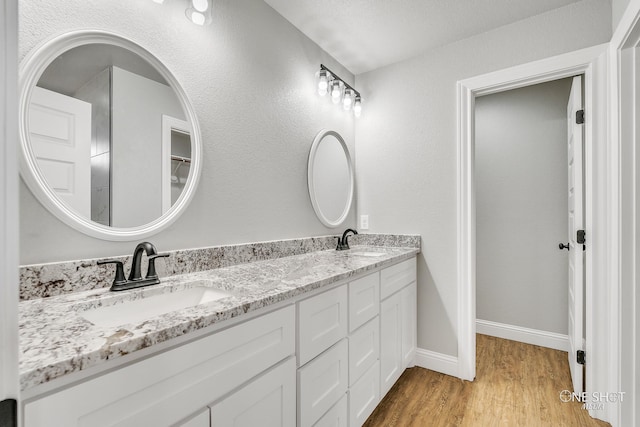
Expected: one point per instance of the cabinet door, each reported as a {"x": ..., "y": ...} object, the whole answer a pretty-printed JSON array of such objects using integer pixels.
[
  {"x": 409, "y": 324},
  {"x": 390, "y": 342},
  {"x": 268, "y": 401},
  {"x": 203, "y": 419},
  {"x": 322, "y": 382},
  {"x": 170, "y": 386},
  {"x": 364, "y": 396},
  {"x": 322, "y": 322},
  {"x": 364, "y": 349},
  {"x": 338, "y": 416},
  {"x": 364, "y": 300},
  {"x": 396, "y": 277}
]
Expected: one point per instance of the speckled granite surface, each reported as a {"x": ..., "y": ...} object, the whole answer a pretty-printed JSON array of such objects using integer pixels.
[
  {"x": 46, "y": 280},
  {"x": 56, "y": 340}
]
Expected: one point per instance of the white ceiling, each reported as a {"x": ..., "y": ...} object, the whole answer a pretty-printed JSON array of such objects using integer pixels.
[{"x": 367, "y": 34}]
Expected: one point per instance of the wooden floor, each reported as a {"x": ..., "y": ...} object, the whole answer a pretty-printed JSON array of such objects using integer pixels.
[{"x": 516, "y": 385}]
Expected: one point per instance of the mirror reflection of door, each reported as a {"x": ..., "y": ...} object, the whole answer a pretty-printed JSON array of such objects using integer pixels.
[
  {"x": 59, "y": 127},
  {"x": 176, "y": 149},
  {"x": 118, "y": 179}
]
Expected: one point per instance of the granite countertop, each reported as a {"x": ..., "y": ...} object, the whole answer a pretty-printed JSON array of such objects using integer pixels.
[{"x": 56, "y": 340}]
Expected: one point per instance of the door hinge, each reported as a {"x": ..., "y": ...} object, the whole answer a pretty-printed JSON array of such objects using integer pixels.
[
  {"x": 580, "y": 237},
  {"x": 581, "y": 357},
  {"x": 580, "y": 117},
  {"x": 9, "y": 413}
]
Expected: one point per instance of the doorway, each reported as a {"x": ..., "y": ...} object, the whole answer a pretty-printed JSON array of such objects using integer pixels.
[
  {"x": 591, "y": 63},
  {"x": 522, "y": 201}
]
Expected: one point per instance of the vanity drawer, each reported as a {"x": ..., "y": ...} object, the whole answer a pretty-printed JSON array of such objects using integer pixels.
[
  {"x": 322, "y": 382},
  {"x": 364, "y": 396},
  {"x": 338, "y": 416},
  {"x": 364, "y": 300},
  {"x": 322, "y": 323},
  {"x": 364, "y": 349},
  {"x": 163, "y": 389},
  {"x": 268, "y": 401},
  {"x": 396, "y": 277}
]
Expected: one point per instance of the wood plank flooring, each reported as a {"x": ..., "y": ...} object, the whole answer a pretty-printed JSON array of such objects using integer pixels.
[{"x": 516, "y": 385}]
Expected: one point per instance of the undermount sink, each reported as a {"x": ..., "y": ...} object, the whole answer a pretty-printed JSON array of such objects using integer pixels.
[
  {"x": 369, "y": 254},
  {"x": 139, "y": 310}
]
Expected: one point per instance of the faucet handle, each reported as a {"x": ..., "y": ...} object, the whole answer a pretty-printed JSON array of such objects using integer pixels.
[
  {"x": 119, "y": 279},
  {"x": 339, "y": 246},
  {"x": 151, "y": 269}
]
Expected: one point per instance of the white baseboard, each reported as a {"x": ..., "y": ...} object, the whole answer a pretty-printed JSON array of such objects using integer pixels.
[
  {"x": 525, "y": 335},
  {"x": 438, "y": 362}
]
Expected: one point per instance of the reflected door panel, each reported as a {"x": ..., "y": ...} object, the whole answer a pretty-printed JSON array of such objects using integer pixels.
[{"x": 60, "y": 131}]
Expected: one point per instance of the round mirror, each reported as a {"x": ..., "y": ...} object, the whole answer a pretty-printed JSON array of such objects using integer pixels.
[
  {"x": 330, "y": 178},
  {"x": 110, "y": 142}
]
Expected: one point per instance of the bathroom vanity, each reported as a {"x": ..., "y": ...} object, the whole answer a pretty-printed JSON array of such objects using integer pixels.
[{"x": 311, "y": 339}]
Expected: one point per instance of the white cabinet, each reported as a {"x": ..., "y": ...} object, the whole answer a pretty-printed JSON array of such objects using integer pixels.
[
  {"x": 338, "y": 416},
  {"x": 322, "y": 382},
  {"x": 390, "y": 342},
  {"x": 201, "y": 419},
  {"x": 397, "y": 322},
  {"x": 396, "y": 277},
  {"x": 322, "y": 322},
  {"x": 364, "y": 300},
  {"x": 409, "y": 324},
  {"x": 364, "y": 396},
  {"x": 268, "y": 401},
  {"x": 169, "y": 387},
  {"x": 352, "y": 344},
  {"x": 364, "y": 349}
]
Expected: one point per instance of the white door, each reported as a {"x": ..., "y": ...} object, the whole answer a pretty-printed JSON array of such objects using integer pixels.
[
  {"x": 60, "y": 132},
  {"x": 576, "y": 223},
  {"x": 9, "y": 389}
]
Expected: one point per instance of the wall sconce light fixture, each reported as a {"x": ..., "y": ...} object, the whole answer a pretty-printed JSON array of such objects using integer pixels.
[
  {"x": 329, "y": 82},
  {"x": 198, "y": 11}
]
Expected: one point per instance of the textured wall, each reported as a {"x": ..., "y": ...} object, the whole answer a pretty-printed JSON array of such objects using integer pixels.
[
  {"x": 408, "y": 130},
  {"x": 250, "y": 77},
  {"x": 521, "y": 207},
  {"x": 617, "y": 10}
]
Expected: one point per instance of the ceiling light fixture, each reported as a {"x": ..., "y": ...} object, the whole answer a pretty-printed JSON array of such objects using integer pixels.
[
  {"x": 328, "y": 81},
  {"x": 199, "y": 11}
]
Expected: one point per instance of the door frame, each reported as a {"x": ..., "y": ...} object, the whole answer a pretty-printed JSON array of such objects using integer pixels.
[
  {"x": 9, "y": 258},
  {"x": 590, "y": 62},
  {"x": 169, "y": 124},
  {"x": 624, "y": 90}
]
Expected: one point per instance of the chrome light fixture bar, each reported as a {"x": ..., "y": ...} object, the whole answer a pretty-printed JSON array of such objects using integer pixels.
[{"x": 341, "y": 91}]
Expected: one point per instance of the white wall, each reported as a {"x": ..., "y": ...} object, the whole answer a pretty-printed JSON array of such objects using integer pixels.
[
  {"x": 617, "y": 10},
  {"x": 250, "y": 77},
  {"x": 408, "y": 130},
  {"x": 521, "y": 206}
]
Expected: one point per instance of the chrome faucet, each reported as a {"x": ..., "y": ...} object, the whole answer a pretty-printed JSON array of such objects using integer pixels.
[
  {"x": 343, "y": 243},
  {"x": 135, "y": 276}
]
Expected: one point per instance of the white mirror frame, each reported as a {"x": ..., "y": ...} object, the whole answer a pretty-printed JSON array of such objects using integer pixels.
[
  {"x": 31, "y": 69},
  {"x": 314, "y": 201}
]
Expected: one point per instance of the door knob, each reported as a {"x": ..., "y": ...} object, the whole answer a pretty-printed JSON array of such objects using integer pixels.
[{"x": 562, "y": 246}]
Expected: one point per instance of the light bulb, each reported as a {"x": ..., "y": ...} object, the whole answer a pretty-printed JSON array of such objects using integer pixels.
[
  {"x": 357, "y": 106},
  {"x": 323, "y": 83},
  {"x": 336, "y": 91},
  {"x": 158, "y": 1},
  {"x": 200, "y": 5},
  {"x": 197, "y": 18},
  {"x": 347, "y": 101}
]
